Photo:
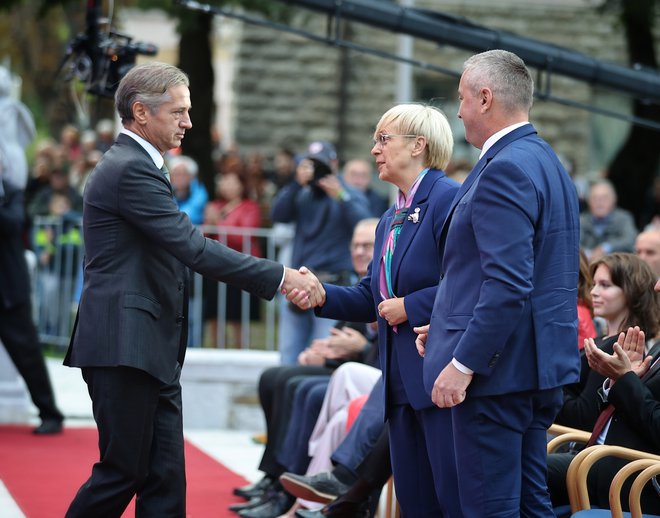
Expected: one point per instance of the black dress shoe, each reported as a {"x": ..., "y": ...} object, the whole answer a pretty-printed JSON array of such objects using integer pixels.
[
  {"x": 251, "y": 503},
  {"x": 278, "y": 504},
  {"x": 48, "y": 427},
  {"x": 338, "y": 509},
  {"x": 323, "y": 487},
  {"x": 256, "y": 489}
]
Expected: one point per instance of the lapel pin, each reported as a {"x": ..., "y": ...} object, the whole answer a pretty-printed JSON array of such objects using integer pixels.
[{"x": 414, "y": 217}]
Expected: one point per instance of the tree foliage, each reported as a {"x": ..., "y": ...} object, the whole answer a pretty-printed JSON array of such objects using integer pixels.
[
  {"x": 37, "y": 32},
  {"x": 196, "y": 58}
]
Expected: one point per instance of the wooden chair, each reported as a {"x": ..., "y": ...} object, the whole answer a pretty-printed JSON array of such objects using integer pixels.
[
  {"x": 576, "y": 480},
  {"x": 565, "y": 434}
]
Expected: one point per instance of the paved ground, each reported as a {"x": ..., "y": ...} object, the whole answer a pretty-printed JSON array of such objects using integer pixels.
[{"x": 232, "y": 448}]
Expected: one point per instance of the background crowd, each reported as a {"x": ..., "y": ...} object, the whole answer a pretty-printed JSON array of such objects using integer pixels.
[{"x": 325, "y": 207}]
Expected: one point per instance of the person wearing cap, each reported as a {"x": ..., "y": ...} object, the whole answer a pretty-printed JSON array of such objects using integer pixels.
[{"x": 325, "y": 211}]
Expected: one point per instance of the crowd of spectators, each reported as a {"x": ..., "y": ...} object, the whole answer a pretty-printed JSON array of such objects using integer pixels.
[
  {"x": 245, "y": 188},
  {"x": 252, "y": 191}
]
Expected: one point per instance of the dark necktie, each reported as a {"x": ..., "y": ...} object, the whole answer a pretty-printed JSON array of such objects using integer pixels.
[
  {"x": 606, "y": 413},
  {"x": 165, "y": 171}
]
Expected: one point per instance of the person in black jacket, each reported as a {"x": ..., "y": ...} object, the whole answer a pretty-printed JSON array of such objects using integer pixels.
[
  {"x": 620, "y": 372},
  {"x": 17, "y": 330}
]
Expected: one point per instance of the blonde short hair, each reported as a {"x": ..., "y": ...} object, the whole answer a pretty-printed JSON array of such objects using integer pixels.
[{"x": 425, "y": 121}]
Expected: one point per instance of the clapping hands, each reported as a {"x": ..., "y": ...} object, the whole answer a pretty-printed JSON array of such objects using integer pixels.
[
  {"x": 628, "y": 355},
  {"x": 302, "y": 288}
]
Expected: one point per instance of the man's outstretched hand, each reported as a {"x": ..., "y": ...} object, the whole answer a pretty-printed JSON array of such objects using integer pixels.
[{"x": 302, "y": 288}]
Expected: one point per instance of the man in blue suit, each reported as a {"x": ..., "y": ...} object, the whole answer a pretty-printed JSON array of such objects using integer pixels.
[{"x": 502, "y": 334}]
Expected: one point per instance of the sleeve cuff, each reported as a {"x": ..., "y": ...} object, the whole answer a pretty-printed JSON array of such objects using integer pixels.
[{"x": 461, "y": 367}]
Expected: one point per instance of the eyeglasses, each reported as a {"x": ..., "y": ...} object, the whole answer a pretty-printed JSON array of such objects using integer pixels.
[
  {"x": 384, "y": 138},
  {"x": 367, "y": 246}
]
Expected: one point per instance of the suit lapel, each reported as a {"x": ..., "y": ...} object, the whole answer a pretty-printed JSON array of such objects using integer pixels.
[
  {"x": 129, "y": 141},
  {"x": 655, "y": 364},
  {"x": 478, "y": 168},
  {"x": 409, "y": 229}
]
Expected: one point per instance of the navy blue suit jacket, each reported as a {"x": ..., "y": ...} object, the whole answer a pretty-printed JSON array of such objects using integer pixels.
[
  {"x": 415, "y": 274},
  {"x": 507, "y": 304}
]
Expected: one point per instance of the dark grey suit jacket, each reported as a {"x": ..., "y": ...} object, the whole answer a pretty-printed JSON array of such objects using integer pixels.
[{"x": 133, "y": 308}]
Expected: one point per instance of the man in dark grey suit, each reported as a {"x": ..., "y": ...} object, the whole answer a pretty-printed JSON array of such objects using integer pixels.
[{"x": 130, "y": 333}]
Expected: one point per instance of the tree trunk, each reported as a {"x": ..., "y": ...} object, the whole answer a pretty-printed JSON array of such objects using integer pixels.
[
  {"x": 195, "y": 58},
  {"x": 635, "y": 166}
]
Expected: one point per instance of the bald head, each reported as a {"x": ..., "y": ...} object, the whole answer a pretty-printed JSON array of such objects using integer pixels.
[
  {"x": 647, "y": 247},
  {"x": 362, "y": 245}
]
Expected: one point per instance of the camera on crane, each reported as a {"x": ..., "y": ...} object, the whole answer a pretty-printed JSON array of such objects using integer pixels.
[{"x": 101, "y": 59}]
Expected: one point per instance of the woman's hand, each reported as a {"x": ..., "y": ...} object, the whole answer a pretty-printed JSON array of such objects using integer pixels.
[
  {"x": 393, "y": 310},
  {"x": 628, "y": 355},
  {"x": 420, "y": 341}
]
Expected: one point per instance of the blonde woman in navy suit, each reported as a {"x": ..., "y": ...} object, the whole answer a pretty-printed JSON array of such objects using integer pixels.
[{"x": 412, "y": 144}]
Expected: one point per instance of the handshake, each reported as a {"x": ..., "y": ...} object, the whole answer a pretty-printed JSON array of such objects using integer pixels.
[{"x": 302, "y": 288}]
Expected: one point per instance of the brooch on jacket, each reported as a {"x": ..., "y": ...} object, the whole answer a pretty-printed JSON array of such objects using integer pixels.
[{"x": 414, "y": 217}]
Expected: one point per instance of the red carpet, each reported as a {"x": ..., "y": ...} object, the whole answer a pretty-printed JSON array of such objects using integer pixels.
[{"x": 42, "y": 474}]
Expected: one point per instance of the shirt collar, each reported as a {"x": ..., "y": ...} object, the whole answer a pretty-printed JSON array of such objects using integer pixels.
[
  {"x": 497, "y": 136},
  {"x": 155, "y": 155}
]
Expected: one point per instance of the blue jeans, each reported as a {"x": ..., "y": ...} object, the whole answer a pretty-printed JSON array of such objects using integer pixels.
[{"x": 364, "y": 433}]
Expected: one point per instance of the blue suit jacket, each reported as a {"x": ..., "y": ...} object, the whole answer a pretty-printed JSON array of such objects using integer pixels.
[
  {"x": 415, "y": 274},
  {"x": 507, "y": 304}
]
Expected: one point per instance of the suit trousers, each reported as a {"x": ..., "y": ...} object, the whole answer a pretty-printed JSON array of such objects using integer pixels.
[
  {"x": 376, "y": 468},
  {"x": 276, "y": 395},
  {"x": 293, "y": 455},
  {"x": 363, "y": 435},
  {"x": 140, "y": 443},
  {"x": 19, "y": 336},
  {"x": 500, "y": 446},
  {"x": 349, "y": 381},
  {"x": 420, "y": 446}
]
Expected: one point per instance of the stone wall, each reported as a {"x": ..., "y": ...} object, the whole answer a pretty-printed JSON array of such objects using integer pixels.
[{"x": 287, "y": 88}]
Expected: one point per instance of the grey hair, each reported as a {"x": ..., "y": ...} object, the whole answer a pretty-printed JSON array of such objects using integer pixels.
[
  {"x": 191, "y": 166},
  {"x": 505, "y": 74},
  {"x": 605, "y": 183},
  {"x": 147, "y": 84}
]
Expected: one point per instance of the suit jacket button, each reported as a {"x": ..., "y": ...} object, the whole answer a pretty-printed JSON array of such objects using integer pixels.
[{"x": 180, "y": 319}]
